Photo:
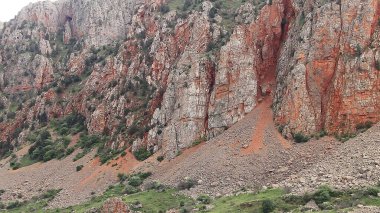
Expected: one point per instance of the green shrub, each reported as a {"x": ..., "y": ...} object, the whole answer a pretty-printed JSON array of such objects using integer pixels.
[
  {"x": 15, "y": 165},
  {"x": 212, "y": 12},
  {"x": 186, "y": 184},
  {"x": 134, "y": 128},
  {"x": 160, "y": 158},
  {"x": 122, "y": 177},
  {"x": 372, "y": 191},
  {"x": 164, "y": 8},
  {"x": 268, "y": 206},
  {"x": 154, "y": 185},
  {"x": 302, "y": 19},
  {"x": 131, "y": 189},
  {"x": 80, "y": 167},
  {"x": 11, "y": 115},
  {"x": 2, "y": 206},
  {"x": 70, "y": 79},
  {"x": 71, "y": 124},
  {"x": 323, "y": 195},
  {"x": 5, "y": 148},
  {"x": 358, "y": 50},
  {"x": 183, "y": 210},
  {"x": 142, "y": 154},
  {"x": 14, "y": 204},
  {"x": 144, "y": 175},
  {"x": 79, "y": 156},
  {"x": 106, "y": 153},
  {"x": 345, "y": 136},
  {"x": 297, "y": 200},
  {"x": 204, "y": 199},
  {"x": 199, "y": 141},
  {"x": 300, "y": 138},
  {"x": 377, "y": 62},
  {"x": 187, "y": 4},
  {"x": 50, "y": 194},
  {"x": 364, "y": 126},
  {"x": 69, "y": 151},
  {"x": 322, "y": 133},
  {"x": 89, "y": 141},
  {"x": 49, "y": 155},
  {"x": 135, "y": 181}
]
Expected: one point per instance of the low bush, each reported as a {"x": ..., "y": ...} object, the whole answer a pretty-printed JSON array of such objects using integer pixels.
[
  {"x": 160, "y": 158},
  {"x": 78, "y": 168},
  {"x": 268, "y": 206},
  {"x": 164, "y": 8},
  {"x": 372, "y": 191},
  {"x": 135, "y": 181},
  {"x": 199, "y": 141},
  {"x": 2, "y": 206},
  {"x": 44, "y": 148},
  {"x": 186, "y": 184},
  {"x": 300, "y": 138},
  {"x": 154, "y": 185},
  {"x": 122, "y": 177},
  {"x": 364, "y": 126},
  {"x": 71, "y": 124},
  {"x": 142, "y": 154},
  {"x": 69, "y": 151},
  {"x": 204, "y": 199},
  {"x": 324, "y": 194},
  {"x": 13, "y": 205},
  {"x": 131, "y": 189},
  {"x": 70, "y": 79},
  {"x": 144, "y": 175},
  {"x": 50, "y": 194},
  {"x": 79, "y": 156}
]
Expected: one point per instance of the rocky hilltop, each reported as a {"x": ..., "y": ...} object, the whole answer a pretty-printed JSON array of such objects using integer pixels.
[{"x": 158, "y": 76}]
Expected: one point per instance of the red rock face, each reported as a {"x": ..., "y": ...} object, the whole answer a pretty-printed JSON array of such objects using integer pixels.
[
  {"x": 247, "y": 66},
  {"x": 332, "y": 82},
  {"x": 321, "y": 60}
]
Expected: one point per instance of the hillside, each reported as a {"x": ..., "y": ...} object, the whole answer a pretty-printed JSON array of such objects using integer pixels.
[{"x": 215, "y": 91}]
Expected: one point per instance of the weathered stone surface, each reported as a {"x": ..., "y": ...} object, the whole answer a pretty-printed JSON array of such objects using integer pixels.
[
  {"x": 327, "y": 76},
  {"x": 322, "y": 60},
  {"x": 114, "y": 205}
]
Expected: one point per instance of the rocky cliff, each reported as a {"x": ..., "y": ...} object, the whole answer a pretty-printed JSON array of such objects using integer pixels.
[
  {"x": 159, "y": 76},
  {"x": 328, "y": 70}
]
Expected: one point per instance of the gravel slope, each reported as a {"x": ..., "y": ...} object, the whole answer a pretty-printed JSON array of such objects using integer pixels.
[
  {"x": 77, "y": 187},
  {"x": 223, "y": 165},
  {"x": 354, "y": 164}
]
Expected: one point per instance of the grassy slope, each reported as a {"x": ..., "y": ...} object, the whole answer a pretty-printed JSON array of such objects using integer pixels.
[
  {"x": 160, "y": 201},
  {"x": 154, "y": 201}
]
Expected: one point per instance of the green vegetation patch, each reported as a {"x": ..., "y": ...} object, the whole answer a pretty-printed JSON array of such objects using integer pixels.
[
  {"x": 250, "y": 202},
  {"x": 70, "y": 124},
  {"x": 158, "y": 201},
  {"x": 44, "y": 148},
  {"x": 36, "y": 204}
]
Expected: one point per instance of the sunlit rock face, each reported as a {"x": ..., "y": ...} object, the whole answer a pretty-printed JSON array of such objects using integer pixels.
[{"x": 176, "y": 77}]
